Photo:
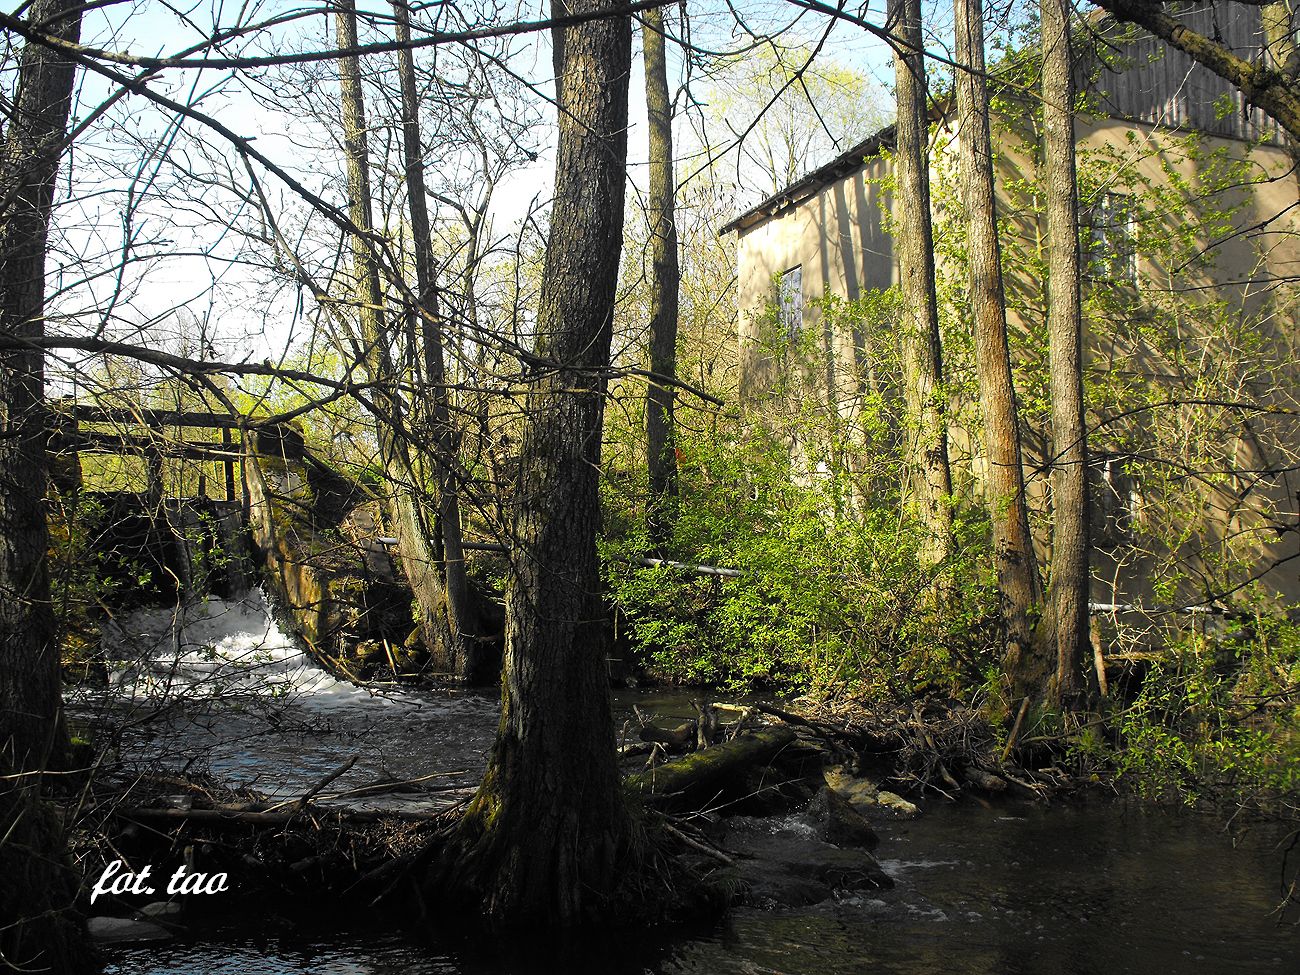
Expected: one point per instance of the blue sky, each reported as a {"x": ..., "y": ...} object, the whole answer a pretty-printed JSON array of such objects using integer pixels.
[{"x": 182, "y": 215}]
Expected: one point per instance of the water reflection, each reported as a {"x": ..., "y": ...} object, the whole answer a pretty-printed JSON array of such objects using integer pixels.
[
  {"x": 1096, "y": 890},
  {"x": 1093, "y": 890}
]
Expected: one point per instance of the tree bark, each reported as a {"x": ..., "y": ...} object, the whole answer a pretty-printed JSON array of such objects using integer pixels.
[
  {"x": 665, "y": 281},
  {"x": 544, "y": 840},
  {"x": 40, "y": 929},
  {"x": 32, "y": 732},
  {"x": 927, "y": 444},
  {"x": 1062, "y": 635},
  {"x": 435, "y": 371},
  {"x": 1278, "y": 23},
  {"x": 1271, "y": 88},
  {"x": 419, "y": 561},
  {"x": 1013, "y": 552}
]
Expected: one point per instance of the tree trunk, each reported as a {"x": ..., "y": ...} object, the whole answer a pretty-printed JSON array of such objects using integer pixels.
[
  {"x": 1278, "y": 23},
  {"x": 444, "y": 435},
  {"x": 1013, "y": 552},
  {"x": 927, "y": 445},
  {"x": 419, "y": 561},
  {"x": 544, "y": 839},
  {"x": 32, "y": 733},
  {"x": 40, "y": 929},
  {"x": 665, "y": 280},
  {"x": 1062, "y": 635}
]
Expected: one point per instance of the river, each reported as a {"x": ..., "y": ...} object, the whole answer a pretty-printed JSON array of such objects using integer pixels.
[{"x": 1072, "y": 889}]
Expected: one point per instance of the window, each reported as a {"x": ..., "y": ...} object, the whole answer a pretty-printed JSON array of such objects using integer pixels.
[
  {"x": 1114, "y": 500},
  {"x": 790, "y": 301},
  {"x": 1111, "y": 254}
]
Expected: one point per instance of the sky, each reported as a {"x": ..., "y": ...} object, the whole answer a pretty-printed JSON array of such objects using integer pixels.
[{"x": 142, "y": 186}]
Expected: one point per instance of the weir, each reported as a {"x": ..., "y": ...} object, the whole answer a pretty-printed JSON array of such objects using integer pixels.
[{"x": 187, "y": 503}]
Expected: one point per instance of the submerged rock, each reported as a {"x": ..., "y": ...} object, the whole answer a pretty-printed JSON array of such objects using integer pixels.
[
  {"x": 161, "y": 909},
  {"x": 840, "y": 823},
  {"x": 118, "y": 930},
  {"x": 785, "y": 865}
]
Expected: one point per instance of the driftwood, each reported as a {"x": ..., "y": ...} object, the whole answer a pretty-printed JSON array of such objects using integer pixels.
[
  {"x": 266, "y": 813},
  {"x": 306, "y": 797},
  {"x": 699, "y": 847},
  {"x": 1015, "y": 730},
  {"x": 222, "y": 815},
  {"x": 679, "y": 739},
  {"x": 844, "y": 744},
  {"x": 984, "y": 780},
  {"x": 700, "y": 776}
]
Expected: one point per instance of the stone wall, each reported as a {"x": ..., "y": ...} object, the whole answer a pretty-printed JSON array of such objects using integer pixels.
[{"x": 317, "y": 534}]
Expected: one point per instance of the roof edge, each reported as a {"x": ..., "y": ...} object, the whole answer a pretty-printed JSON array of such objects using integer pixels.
[{"x": 806, "y": 186}]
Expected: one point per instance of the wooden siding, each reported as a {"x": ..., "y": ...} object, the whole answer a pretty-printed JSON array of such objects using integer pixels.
[{"x": 1138, "y": 76}]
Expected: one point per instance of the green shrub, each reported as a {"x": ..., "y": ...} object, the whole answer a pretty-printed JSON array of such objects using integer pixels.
[
  {"x": 833, "y": 595},
  {"x": 1219, "y": 716}
]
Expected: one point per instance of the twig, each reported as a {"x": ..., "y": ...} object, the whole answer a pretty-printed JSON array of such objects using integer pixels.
[
  {"x": 302, "y": 801},
  {"x": 699, "y": 847},
  {"x": 1015, "y": 731}
]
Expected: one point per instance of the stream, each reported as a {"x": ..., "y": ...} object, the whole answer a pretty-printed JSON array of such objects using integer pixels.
[{"x": 1000, "y": 887}]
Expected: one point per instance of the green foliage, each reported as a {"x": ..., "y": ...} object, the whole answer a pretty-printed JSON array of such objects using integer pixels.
[
  {"x": 1219, "y": 716},
  {"x": 835, "y": 593}
]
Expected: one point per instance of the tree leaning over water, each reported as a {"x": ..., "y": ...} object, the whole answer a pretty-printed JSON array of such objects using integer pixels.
[{"x": 543, "y": 841}]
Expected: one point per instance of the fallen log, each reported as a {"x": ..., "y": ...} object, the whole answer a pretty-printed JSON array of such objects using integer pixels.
[
  {"x": 697, "y": 778},
  {"x": 680, "y": 738},
  {"x": 836, "y": 739},
  {"x": 985, "y": 780},
  {"x": 249, "y": 817}
]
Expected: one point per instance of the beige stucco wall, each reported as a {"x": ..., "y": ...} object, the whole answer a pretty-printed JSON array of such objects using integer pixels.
[
  {"x": 1251, "y": 263},
  {"x": 837, "y": 235}
]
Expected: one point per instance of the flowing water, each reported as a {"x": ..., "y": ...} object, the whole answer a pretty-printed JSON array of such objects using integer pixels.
[
  {"x": 218, "y": 687},
  {"x": 981, "y": 888}
]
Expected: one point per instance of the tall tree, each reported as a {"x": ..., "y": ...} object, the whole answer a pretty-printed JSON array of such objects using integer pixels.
[
  {"x": 1063, "y": 632},
  {"x": 665, "y": 281},
  {"x": 1013, "y": 551},
  {"x": 39, "y": 927},
  {"x": 922, "y": 354},
  {"x": 423, "y": 568},
  {"x": 543, "y": 839},
  {"x": 448, "y": 533},
  {"x": 31, "y": 706}
]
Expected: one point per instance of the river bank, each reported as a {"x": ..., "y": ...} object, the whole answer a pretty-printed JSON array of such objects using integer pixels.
[
  {"x": 1101, "y": 887},
  {"x": 983, "y": 878}
]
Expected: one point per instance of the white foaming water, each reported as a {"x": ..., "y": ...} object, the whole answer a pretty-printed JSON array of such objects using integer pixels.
[
  {"x": 223, "y": 648},
  {"x": 897, "y": 868}
]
